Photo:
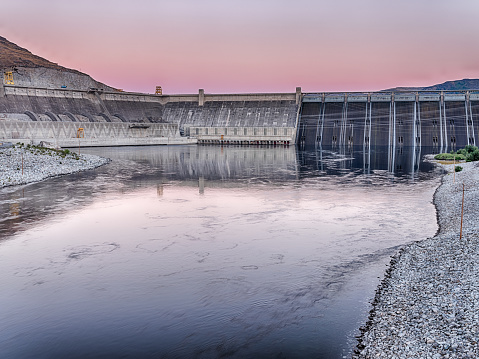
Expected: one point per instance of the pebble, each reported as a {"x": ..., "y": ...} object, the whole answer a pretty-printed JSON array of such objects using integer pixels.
[
  {"x": 39, "y": 165},
  {"x": 430, "y": 293}
]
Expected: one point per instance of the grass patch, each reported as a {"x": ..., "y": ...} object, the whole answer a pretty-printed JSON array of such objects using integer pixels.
[
  {"x": 469, "y": 154},
  {"x": 37, "y": 150},
  {"x": 450, "y": 157}
]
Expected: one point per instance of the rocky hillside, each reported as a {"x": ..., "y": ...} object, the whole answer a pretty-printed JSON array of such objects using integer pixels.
[
  {"x": 12, "y": 55},
  {"x": 32, "y": 70}
]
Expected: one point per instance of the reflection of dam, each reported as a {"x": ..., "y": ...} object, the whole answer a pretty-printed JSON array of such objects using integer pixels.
[
  {"x": 440, "y": 120},
  {"x": 201, "y": 167},
  {"x": 327, "y": 160},
  {"x": 207, "y": 162}
]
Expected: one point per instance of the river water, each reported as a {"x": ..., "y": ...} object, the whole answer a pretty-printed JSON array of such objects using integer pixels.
[{"x": 205, "y": 252}]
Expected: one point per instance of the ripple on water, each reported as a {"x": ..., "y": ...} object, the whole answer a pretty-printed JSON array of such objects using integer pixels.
[{"x": 81, "y": 252}]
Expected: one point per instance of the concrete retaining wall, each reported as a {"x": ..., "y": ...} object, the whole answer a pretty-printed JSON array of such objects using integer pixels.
[{"x": 93, "y": 134}]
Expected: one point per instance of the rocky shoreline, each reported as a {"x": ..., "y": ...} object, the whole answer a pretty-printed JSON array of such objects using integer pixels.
[
  {"x": 427, "y": 306},
  {"x": 21, "y": 164}
]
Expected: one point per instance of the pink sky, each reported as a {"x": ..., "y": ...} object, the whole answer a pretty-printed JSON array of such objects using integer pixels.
[{"x": 235, "y": 46}]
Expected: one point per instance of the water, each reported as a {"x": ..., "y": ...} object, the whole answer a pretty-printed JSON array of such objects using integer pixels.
[{"x": 205, "y": 252}]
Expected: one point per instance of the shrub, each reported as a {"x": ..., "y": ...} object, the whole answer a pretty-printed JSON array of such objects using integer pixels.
[
  {"x": 473, "y": 156},
  {"x": 470, "y": 148},
  {"x": 469, "y": 153},
  {"x": 458, "y": 169}
]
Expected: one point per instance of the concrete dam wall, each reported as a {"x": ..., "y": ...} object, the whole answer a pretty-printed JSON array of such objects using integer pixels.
[
  {"x": 119, "y": 118},
  {"x": 443, "y": 121}
]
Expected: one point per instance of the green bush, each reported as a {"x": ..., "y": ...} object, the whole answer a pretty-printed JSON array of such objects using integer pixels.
[
  {"x": 458, "y": 169},
  {"x": 469, "y": 153},
  {"x": 473, "y": 156},
  {"x": 467, "y": 149}
]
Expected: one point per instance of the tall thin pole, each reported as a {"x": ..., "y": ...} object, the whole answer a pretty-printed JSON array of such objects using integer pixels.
[{"x": 462, "y": 210}]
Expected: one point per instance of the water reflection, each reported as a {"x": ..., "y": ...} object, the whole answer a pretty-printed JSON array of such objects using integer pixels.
[
  {"x": 403, "y": 161},
  {"x": 205, "y": 252},
  {"x": 202, "y": 167}
]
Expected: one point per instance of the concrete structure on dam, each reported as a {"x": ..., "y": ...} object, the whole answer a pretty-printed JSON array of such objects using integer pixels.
[{"x": 443, "y": 120}]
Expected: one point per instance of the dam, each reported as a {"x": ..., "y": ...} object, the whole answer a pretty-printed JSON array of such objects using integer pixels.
[{"x": 441, "y": 120}]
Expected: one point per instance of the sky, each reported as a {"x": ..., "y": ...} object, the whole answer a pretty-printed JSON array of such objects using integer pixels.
[{"x": 241, "y": 46}]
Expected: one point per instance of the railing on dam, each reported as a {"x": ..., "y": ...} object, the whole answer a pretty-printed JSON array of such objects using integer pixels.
[
  {"x": 443, "y": 120},
  {"x": 388, "y": 96}
]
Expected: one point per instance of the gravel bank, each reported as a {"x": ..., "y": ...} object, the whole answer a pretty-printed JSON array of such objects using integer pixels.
[
  {"x": 40, "y": 164},
  {"x": 428, "y": 303}
]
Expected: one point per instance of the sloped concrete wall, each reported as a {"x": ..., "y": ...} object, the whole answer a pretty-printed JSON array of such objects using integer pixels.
[{"x": 232, "y": 114}]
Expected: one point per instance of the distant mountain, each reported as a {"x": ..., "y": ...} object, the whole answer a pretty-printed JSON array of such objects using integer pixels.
[
  {"x": 458, "y": 85},
  {"x": 465, "y": 84}
]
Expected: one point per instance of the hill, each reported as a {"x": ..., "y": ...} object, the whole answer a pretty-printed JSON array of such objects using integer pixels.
[
  {"x": 35, "y": 71},
  {"x": 12, "y": 55},
  {"x": 457, "y": 85},
  {"x": 465, "y": 84}
]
